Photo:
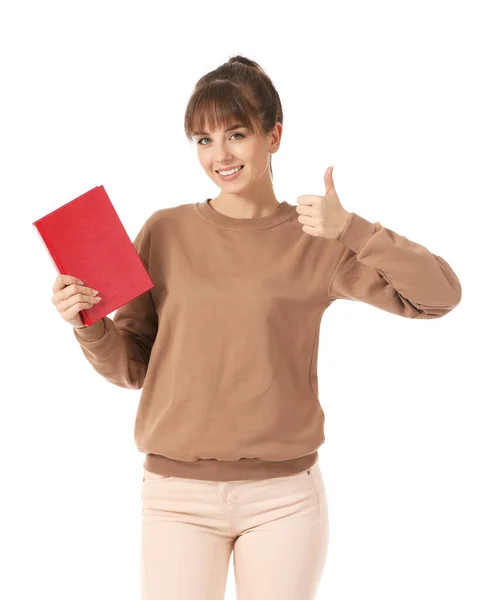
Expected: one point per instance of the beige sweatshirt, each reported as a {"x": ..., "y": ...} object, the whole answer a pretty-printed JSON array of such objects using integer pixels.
[{"x": 224, "y": 347}]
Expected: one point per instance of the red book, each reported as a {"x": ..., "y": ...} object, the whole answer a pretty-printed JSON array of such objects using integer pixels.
[{"x": 86, "y": 239}]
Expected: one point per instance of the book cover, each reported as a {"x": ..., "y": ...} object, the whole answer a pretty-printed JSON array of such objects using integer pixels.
[{"x": 86, "y": 239}]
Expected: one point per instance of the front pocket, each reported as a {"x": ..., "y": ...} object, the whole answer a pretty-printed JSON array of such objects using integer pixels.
[{"x": 319, "y": 485}]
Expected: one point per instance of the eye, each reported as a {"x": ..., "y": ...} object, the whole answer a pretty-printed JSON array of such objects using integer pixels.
[{"x": 199, "y": 142}]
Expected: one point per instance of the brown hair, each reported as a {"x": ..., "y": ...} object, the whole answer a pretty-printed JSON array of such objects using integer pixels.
[{"x": 239, "y": 89}]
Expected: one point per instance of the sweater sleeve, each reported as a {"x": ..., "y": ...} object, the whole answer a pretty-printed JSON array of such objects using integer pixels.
[
  {"x": 388, "y": 271},
  {"x": 119, "y": 349}
]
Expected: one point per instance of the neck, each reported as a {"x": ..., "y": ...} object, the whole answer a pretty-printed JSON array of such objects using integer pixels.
[{"x": 252, "y": 202}]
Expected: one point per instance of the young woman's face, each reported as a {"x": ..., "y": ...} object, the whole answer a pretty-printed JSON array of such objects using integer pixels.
[{"x": 223, "y": 149}]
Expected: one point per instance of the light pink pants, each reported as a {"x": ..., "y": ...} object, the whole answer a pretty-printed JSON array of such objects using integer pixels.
[{"x": 277, "y": 528}]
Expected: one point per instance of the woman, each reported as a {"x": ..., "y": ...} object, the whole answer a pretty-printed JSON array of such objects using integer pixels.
[{"x": 225, "y": 348}]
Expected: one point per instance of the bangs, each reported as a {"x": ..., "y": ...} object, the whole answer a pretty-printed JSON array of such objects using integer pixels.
[{"x": 219, "y": 106}]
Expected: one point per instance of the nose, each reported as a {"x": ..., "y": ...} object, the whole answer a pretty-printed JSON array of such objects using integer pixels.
[
  {"x": 224, "y": 158},
  {"x": 222, "y": 155}
]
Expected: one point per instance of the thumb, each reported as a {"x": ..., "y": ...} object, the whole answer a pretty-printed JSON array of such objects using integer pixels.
[{"x": 329, "y": 182}]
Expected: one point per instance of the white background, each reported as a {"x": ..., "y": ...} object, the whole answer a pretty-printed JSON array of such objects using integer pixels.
[{"x": 401, "y": 98}]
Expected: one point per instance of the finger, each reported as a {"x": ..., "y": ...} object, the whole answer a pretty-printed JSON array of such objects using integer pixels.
[
  {"x": 63, "y": 280},
  {"x": 329, "y": 182},
  {"x": 308, "y": 200},
  {"x": 72, "y": 311},
  {"x": 76, "y": 303},
  {"x": 73, "y": 290},
  {"x": 307, "y": 220},
  {"x": 311, "y": 230},
  {"x": 304, "y": 209}
]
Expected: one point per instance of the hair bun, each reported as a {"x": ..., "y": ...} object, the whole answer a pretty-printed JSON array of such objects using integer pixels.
[{"x": 243, "y": 60}]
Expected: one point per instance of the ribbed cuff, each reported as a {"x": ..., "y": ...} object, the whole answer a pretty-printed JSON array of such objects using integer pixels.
[
  {"x": 92, "y": 332},
  {"x": 357, "y": 232}
]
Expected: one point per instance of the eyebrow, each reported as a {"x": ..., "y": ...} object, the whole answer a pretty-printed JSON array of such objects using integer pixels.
[{"x": 226, "y": 130}]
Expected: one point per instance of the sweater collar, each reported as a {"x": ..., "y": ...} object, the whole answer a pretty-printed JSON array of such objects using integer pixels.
[{"x": 283, "y": 212}]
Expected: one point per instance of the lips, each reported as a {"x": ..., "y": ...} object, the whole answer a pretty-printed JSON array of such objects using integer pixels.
[{"x": 230, "y": 168}]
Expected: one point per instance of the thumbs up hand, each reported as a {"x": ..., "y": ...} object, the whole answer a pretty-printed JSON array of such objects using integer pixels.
[{"x": 323, "y": 216}]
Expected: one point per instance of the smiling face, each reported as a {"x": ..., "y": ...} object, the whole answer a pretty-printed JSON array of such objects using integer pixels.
[{"x": 234, "y": 145}]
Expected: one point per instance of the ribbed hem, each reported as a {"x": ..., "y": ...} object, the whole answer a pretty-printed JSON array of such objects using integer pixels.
[
  {"x": 282, "y": 213},
  {"x": 210, "y": 469}
]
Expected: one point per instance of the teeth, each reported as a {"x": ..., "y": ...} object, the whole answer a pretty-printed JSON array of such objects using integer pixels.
[{"x": 230, "y": 172}]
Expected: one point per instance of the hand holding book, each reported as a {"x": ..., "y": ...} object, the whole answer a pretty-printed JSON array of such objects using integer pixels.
[
  {"x": 86, "y": 238},
  {"x": 70, "y": 297}
]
